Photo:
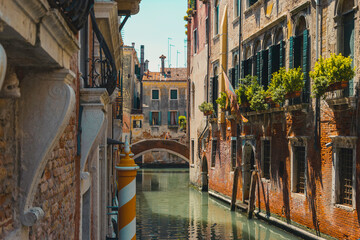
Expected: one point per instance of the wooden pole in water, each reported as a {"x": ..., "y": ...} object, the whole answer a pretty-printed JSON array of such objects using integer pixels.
[
  {"x": 235, "y": 187},
  {"x": 251, "y": 207}
]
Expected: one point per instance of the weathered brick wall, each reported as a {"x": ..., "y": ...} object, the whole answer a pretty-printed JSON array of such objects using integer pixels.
[
  {"x": 9, "y": 169},
  {"x": 57, "y": 190}
]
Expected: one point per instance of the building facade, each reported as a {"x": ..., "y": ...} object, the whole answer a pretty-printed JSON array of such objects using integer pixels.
[
  {"x": 59, "y": 99},
  {"x": 306, "y": 150},
  {"x": 164, "y": 100}
]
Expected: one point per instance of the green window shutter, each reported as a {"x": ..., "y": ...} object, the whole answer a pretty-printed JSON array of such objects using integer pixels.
[
  {"x": 169, "y": 116},
  {"x": 282, "y": 54},
  {"x": 211, "y": 85},
  {"x": 185, "y": 113},
  {"x": 140, "y": 124},
  {"x": 159, "y": 118},
  {"x": 177, "y": 118},
  {"x": 150, "y": 118},
  {"x": 236, "y": 73},
  {"x": 305, "y": 62},
  {"x": 233, "y": 77},
  {"x": 270, "y": 63},
  {"x": 250, "y": 65},
  {"x": 230, "y": 76},
  {"x": 291, "y": 52},
  {"x": 242, "y": 69},
  {"x": 258, "y": 67}
]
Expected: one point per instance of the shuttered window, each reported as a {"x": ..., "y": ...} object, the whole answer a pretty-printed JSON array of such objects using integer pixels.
[
  {"x": 299, "y": 169},
  {"x": 348, "y": 44},
  {"x": 173, "y": 94},
  {"x": 155, "y": 94},
  {"x": 213, "y": 152},
  {"x": 233, "y": 154},
  {"x": 266, "y": 159},
  {"x": 346, "y": 176},
  {"x": 155, "y": 118}
]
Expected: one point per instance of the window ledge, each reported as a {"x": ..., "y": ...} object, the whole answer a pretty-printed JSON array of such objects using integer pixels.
[
  {"x": 173, "y": 126},
  {"x": 216, "y": 37},
  {"x": 212, "y": 168},
  {"x": 350, "y": 101},
  {"x": 192, "y": 165},
  {"x": 298, "y": 195},
  {"x": 236, "y": 20},
  {"x": 253, "y": 7},
  {"x": 344, "y": 207}
]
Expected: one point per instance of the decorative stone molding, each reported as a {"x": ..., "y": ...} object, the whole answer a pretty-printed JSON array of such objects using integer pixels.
[
  {"x": 10, "y": 87},
  {"x": 299, "y": 141},
  {"x": 344, "y": 141},
  {"x": 47, "y": 100},
  {"x": 93, "y": 101},
  {"x": 3, "y": 65}
]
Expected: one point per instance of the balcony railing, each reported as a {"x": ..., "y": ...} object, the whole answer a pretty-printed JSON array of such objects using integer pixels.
[
  {"x": 75, "y": 12},
  {"x": 103, "y": 73}
]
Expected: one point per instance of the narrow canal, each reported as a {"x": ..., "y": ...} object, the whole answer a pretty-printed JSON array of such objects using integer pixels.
[{"x": 168, "y": 208}]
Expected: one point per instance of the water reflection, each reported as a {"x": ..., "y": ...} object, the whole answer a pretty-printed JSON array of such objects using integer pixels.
[{"x": 167, "y": 208}]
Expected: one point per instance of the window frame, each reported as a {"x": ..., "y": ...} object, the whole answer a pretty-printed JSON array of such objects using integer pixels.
[
  {"x": 339, "y": 142},
  {"x": 152, "y": 93},
  {"x": 196, "y": 41},
  {"x": 216, "y": 17},
  {"x": 177, "y": 93},
  {"x": 263, "y": 139},
  {"x": 159, "y": 121},
  {"x": 213, "y": 154},
  {"x": 176, "y": 116},
  {"x": 134, "y": 121},
  {"x": 301, "y": 141},
  {"x": 192, "y": 151},
  {"x": 233, "y": 166}
]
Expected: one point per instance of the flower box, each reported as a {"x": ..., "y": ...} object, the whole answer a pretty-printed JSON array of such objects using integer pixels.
[
  {"x": 293, "y": 94},
  {"x": 337, "y": 86}
]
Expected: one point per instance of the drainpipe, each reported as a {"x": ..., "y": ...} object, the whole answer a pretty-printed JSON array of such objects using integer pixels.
[{"x": 317, "y": 101}]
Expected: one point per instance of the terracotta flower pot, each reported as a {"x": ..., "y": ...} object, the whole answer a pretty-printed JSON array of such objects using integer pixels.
[
  {"x": 207, "y": 113},
  {"x": 337, "y": 86},
  {"x": 293, "y": 94}
]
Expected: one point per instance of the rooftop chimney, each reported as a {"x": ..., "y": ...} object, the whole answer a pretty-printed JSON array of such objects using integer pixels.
[
  {"x": 133, "y": 44},
  {"x": 162, "y": 57},
  {"x": 146, "y": 67},
  {"x": 142, "y": 60}
]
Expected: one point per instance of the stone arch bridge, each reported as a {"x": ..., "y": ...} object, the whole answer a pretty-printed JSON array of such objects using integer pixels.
[{"x": 171, "y": 146}]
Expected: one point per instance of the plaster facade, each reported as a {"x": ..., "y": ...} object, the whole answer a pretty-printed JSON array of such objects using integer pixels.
[{"x": 289, "y": 130}]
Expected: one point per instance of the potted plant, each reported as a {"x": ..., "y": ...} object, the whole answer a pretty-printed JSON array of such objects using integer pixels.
[
  {"x": 182, "y": 122},
  {"x": 256, "y": 95},
  {"x": 241, "y": 90},
  {"x": 276, "y": 90},
  {"x": 293, "y": 82},
  {"x": 189, "y": 11},
  {"x": 186, "y": 18},
  {"x": 222, "y": 100},
  {"x": 206, "y": 108},
  {"x": 331, "y": 74}
]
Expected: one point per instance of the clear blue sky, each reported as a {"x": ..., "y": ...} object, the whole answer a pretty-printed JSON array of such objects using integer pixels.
[{"x": 157, "y": 21}]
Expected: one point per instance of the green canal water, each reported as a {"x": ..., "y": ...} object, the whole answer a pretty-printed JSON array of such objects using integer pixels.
[{"x": 168, "y": 208}]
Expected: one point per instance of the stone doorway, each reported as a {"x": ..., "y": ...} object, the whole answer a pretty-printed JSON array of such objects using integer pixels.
[
  {"x": 204, "y": 175},
  {"x": 248, "y": 167}
]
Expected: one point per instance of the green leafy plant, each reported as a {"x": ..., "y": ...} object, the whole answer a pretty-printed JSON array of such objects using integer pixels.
[
  {"x": 186, "y": 18},
  {"x": 222, "y": 100},
  {"x": 256, "y": 95},
  {"x": 241, "y": 90},
  {"x": 336, "y": 68},
  {"x": 182, "y": 122},
  {"x": 276, "y": 89},
  {"x": 320, "y": 86},
  {"x": 206, "y": 107},
  {"x": 294, "y": 80}
]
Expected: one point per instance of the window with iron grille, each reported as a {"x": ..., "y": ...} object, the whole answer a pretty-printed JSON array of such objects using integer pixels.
[
  {"x": 299, "y": 170},
  {"x": 266, "y": 159},
  {"x": 213, "y": 152},
  {"x": 233, "y": 154},
  {"x": 192, "y": 151},
  {"x": 346, "y": 176},
  {"x": 136, "y": 123}
]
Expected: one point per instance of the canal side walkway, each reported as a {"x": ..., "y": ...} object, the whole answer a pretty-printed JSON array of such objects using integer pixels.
[{"x": 277, "y": 221}]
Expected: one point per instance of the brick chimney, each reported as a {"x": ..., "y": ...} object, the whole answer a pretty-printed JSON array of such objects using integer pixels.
[
  {"x": 142, "y": 60},
  {"x": 162, "y": 57},
  {"x": 146, "y": 67}
]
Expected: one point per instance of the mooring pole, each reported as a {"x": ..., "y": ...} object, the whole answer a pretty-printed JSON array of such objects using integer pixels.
[{"x": 126, "y": 179}]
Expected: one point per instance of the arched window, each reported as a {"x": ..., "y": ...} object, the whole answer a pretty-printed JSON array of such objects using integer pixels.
[
  {"x": 345, "y": 33},
  {"x": 246, "y": 65},
  {"x": 299, "y": 55},
  {"x": 265, "y": 62},
  {"x": 216, "y": 17}
]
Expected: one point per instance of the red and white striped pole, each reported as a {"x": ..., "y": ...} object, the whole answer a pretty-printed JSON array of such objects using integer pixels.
[{"x": 126, "y": 178}]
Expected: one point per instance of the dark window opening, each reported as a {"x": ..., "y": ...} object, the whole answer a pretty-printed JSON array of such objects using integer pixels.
[
  {"x": 299, "y": 169},
  {"x": 192, "y": 151},
  {"x": 155, "y": 94},
  {"x": 213, "y": 152},
  {"x": 173, "y": 94},
  {"x": 233, "y": 154},
  {"x": 137, "y": 124},
  {"x": 346, "y": 176}
]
